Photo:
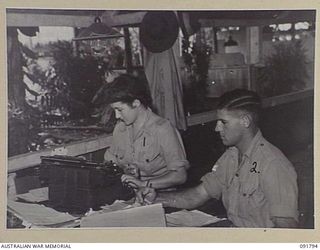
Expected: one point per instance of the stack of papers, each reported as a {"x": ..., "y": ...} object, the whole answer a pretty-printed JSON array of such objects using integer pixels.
[
  {"x": 124, "y": 216},
  {"x": 35, "y": 195},
  {"x": 39, "y": 215},
  {"x": 194, "y": 218}
]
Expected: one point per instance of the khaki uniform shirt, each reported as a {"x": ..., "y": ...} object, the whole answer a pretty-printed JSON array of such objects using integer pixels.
[
  {"x": 262, "y": 186},
  {"x": 156, "y": 150}
]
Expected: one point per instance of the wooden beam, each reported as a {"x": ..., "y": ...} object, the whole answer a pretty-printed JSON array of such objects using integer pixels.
[
  {"x": 23, "y": 161},
  {"x": 210, "y": 116},
  {"x": 286, "y": 98},
  {"x": 46, "y": 19},
  {"x": 253, "y": 22},
  {"x": 254, "y": 44},
  {"x": 128, "y": 50},
  {"x": 130, "y": 19},
  {"x": 35, "y": 20}
]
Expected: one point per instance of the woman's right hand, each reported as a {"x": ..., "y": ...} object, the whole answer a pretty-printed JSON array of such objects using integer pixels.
[
  {"x": 146, "y": 195},
  {"x": 132, "y": 169}
]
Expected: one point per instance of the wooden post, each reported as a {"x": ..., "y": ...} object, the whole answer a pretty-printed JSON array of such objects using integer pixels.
[
  {"x": 215, "y": 40},
  {"x": 128, "y": 49},
  {"x": 16, "y": 91},
  {"x": 254, "y": 42},
  {"x": 254, "y": 51}
]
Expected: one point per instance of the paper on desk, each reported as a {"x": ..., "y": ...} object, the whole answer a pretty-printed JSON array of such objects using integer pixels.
[
  {"x": 119, "y": 205},
  {"x": 194, "y": 218},
  {"x": 35, "y": 195},
  {"x": 143, "y": 216},
  {"x": 38, "y": 214},
  {"x": 116, "y": 205}
]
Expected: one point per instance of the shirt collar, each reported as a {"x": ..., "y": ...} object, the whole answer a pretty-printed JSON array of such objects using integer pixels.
[
  {"x": 253, "y": 145},
  {"x": 144, "y": 126},
  {"x": 147, "y": 120},
  {"x": 124, "y": 128}
]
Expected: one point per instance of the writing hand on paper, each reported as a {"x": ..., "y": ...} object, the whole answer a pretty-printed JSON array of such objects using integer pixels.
[{"x": 146, "y": 195}]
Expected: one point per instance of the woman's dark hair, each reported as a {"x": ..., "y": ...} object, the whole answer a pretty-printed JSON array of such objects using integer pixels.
[
  {"x": 126, "y": 88},
  {"x": 243, "y": 100}
]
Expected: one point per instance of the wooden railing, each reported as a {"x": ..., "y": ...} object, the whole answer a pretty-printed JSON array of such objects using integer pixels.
[
  {"x": 210, "y": 116},
  {"x": 23, "y": 161}
]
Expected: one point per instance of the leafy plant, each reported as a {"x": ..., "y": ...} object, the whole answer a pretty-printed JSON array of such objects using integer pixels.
[
  {"x": 196, "y": 58},
  {"x": 83, "y": 76},
  {"x": 285, "y": 70}
]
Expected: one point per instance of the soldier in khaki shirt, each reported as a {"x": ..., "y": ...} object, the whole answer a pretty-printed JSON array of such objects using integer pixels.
[
  {"x": 145, "y": 145},
  {"x": 256, "y": 181}
]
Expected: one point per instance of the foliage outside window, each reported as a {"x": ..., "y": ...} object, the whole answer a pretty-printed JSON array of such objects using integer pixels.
[
  {"x": 59, "y": 82},
  {"x": 287, "y": 67},
  {"x": 196, "y": 56},
  {"x": 285, "y": 70}
]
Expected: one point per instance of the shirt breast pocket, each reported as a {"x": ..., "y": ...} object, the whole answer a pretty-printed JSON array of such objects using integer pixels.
[
  {"x": 150, "y": 160},
  {"x": 251, "y": 191},
  {"x": 250, "y": 185}
]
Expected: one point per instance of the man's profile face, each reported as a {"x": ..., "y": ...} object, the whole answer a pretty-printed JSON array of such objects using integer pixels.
[{"x": 229, "y": 127}]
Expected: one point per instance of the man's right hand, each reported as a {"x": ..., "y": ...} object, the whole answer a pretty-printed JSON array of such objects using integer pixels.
[{"x": 146, "y": 195}]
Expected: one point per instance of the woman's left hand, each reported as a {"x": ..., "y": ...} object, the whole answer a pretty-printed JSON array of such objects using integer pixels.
[{"x": 132, "y": 181}]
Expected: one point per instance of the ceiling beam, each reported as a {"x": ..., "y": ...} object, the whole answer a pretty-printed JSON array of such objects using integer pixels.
[
  {"x": 38, "y": 19},
  {"x": 255, "y": 22},
  {"x": 35, "y": 20},
  {"x": 130, "y": 19},
  {"x": 111, "y": 18}
]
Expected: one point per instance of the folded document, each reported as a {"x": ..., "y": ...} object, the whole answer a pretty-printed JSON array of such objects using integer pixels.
[
  {"x": 194, "y": 218},
  {"x": 142, "y": 216},
  {"x": 35, "y": 195},
  {"x": 39, "y": 215}
]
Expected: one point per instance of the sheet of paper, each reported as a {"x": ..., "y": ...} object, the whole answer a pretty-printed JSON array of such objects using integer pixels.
[
  {"x": 143, "y": 216},
  {"x": 194, "y": 218},
  {"x": 35, "y": 195},
  {"x": 38, "y": 214}
]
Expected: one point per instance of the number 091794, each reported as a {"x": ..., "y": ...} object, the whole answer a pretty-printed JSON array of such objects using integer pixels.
[{"x": 308, "y": 245}]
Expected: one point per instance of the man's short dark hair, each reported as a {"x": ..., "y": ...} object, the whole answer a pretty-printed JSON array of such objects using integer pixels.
[
  {"x": 242, "y": 100},
  {"x": 127, "y": 88}
]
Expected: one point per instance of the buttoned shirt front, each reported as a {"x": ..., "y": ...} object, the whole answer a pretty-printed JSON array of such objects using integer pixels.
[
  {"x": 155, "y": 150},
  {"x": 263, "y": 185}
]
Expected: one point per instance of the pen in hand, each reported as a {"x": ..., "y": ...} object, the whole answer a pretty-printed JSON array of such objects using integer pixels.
[{"x": 145, "y": 192}]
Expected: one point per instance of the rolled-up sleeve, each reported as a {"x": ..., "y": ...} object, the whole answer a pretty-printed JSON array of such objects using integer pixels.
[
  {"x": 109, "y": 155},
  {"x": 215, "y": 181},
  {"x": 172, "y": 147},
  {"x": 279, "y": 184},
  {"x": 212, "y": 185}
]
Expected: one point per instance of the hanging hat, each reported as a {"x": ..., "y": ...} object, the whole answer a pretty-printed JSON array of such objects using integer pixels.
[{"x": 159, "y": 30}]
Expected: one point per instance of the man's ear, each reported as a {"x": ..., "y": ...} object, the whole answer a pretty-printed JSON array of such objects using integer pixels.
[
  {"x": 136, "y": 103},
  {"x": 246, "y": 120}
]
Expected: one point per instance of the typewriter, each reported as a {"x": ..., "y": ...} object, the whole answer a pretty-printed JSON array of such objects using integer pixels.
[{"x": 76, "y": 184}]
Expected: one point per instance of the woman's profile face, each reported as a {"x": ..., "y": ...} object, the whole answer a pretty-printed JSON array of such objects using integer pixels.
[{"x": 125, "y": 112}]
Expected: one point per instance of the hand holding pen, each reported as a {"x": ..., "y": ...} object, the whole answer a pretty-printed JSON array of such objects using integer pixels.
[{"x": 146, "y": 195}]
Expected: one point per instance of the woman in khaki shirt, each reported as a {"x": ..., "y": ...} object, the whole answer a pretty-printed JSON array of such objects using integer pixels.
[{"x": 145, "y": 145}]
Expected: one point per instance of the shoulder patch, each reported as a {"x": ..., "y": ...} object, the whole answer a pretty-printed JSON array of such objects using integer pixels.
[{"x": 215, "y": 167}]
